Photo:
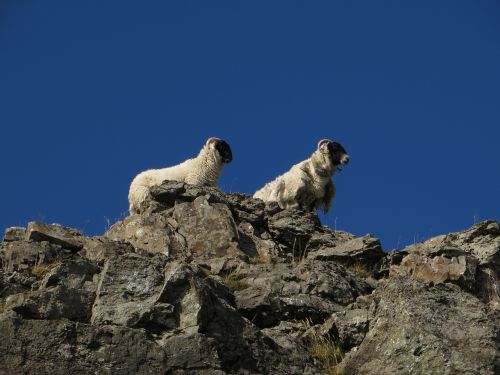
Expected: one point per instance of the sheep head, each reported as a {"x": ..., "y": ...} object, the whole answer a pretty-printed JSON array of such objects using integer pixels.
[
  {"x": 221, "y": 149},
  {"x": 337, "y": 154}
]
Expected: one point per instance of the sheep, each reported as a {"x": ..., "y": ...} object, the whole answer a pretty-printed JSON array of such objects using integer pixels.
[
  {"x": 308, "y": 184},
  {"x": 205, "y": 170}
]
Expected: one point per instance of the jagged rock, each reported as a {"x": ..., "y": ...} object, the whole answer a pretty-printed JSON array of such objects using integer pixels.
[
  {"x": 154, "y": 233},
  {"x": 14, "y": 282},
  {"x": 67, "y": 292},
  {"x": 60, "y": 347},
  {"x": 348, "y": 328},
  {"x": 294, "y": 229},
  {"x": 363, "y": 250},
  {"x": 209, "y": 229},
  {"x": 170, "y": 193},
  {"x": 67, "y": 238},
  {"x": 324, "y": 237},
  {"x": 308, "y": 290},
  {"x": 438, "y": 266},
  {"x": 421, "y": 329},
  {"x": 22, "y": 255},
  {"x": 290, "y": 336},
  {"x": 203, "y": 282},
  {"x": 128, "y": 290},
  {"x": 470, "y": 259},
  {"x": 246, "y": 209},
  {"x": 98, "y": 249},
  {"x": 382, "y": 268},
  {"x": 14, "y": 234},
  {"x": 256, "y": 244}
]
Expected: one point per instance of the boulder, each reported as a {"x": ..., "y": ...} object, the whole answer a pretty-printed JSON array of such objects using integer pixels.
[
  {"x": 208, "y": 228},
  {"x": 14, "y": 234},
  {"x": 154, "y": 233},
  {"x": 470, "y": 259},
  {"x": 67, "y": 238},
  {"x": 308, "y": 290},
  {"x": 422, "y": 329},
  {"x": 362, "y": 250}
]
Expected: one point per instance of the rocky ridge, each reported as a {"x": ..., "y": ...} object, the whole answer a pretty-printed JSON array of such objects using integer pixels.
[{"x": 203, "y": 282}]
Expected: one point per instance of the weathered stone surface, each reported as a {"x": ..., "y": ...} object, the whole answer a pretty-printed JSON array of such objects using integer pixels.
[
  {"x": 154, "y": 233},
  {"x": 290, "y": 336},
  {"x": 170, "y": 193},
  {"x": 128, "y": 290},
  {"x": 54, "y": 233},
  {"x": 470, "y": 259},
  {"x": 246, "y": 209},
  {"x": 348, "y": 328},
  {"x": 67, "y": 292},
  {"x": 203, "y": 282},
  {"x": 209, "y": 229},
  {"x": 63, "y": 347},
  {"x": 22, "y": 255},
  {"x": 14, "y": 234},
  {"x": 98, "y": 249},
  {"x": 14, "y": 282},
  {"x": 418, "y": 329},
  {"x": 257, "y": 245},
  {"x": 363, "y": 250},
  {"x": 449, "y": 264},
  {"x": 293, "y": 228},
  {"x": 309, "y": 290}
]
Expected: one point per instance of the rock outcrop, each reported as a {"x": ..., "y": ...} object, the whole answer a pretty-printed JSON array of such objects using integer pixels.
[{"x": 203, "y": 282}]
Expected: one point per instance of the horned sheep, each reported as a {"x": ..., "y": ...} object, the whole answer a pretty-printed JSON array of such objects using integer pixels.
[
  {"x": 308, "y": 184},
  {"x": 205, "y": 170}
]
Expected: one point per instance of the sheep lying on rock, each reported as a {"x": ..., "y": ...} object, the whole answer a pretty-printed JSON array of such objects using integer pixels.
[
  {"x": 308, "y": 184},
  {"x": 205, "y": 170}
]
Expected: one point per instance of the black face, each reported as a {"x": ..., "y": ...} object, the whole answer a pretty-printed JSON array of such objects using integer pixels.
[
  {"x": 224, "y": 151},
  {"x": 337, "y": 152}
]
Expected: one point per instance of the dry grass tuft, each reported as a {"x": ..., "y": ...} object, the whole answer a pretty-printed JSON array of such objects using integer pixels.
[
  {"x": 326, "y": 350},
  {"x": 259, "y": 259},
  {"x": 235, "y": 281},
  {"x": 40, "y": 270},
  {"x": 360, "y": 270}
]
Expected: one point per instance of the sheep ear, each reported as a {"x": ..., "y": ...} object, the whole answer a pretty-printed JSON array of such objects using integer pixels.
[
  {"x": 212, "y": 141},
  {"x": 323, "y": 146}
]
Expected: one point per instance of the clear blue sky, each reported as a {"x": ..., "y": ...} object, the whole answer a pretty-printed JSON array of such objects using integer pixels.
[{"x": 93, "y": 92}]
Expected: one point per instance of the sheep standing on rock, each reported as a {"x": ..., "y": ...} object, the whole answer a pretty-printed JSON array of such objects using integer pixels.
[
  {"x": 308, "y": 184},
  {"x": 205, "y": 170}
]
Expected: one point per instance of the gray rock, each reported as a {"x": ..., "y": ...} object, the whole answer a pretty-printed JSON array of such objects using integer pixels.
[
  {"x": 257, "y": 244},
  {"x": 348, "y": 328},
  {"x": 61, "y": 347},
  {"x": 23, "y": 255},
  {"x": 209, "y": 229},
  {"x": 54, "y": 233},
  {"x": 363, "y": 250},
  {"x": 203, "y": 282},
  {"x": 418, "y": 329},
  {"x": 98, "y": 249},
  {"x": 14, "y": 234},
  {"x": 67, "y": 292},
  {"x": 128, "y": 290},
  {"x": 290, "y": 337},
  {"x": 294, "y": 229},
  {"x": 470, "y": 259},
  {"x": 154, "y": 233},
  {"x": 308, "y": 290}
]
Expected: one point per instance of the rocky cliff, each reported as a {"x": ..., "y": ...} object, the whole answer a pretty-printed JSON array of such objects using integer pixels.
[{"x": 207, "y": 283}]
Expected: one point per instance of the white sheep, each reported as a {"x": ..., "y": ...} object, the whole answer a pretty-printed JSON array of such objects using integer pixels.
[
  {"x": 308, "y": 184},
  {"x": 205, "y": 170}
]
